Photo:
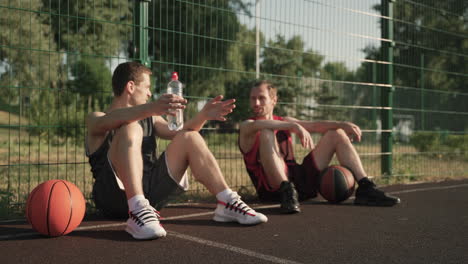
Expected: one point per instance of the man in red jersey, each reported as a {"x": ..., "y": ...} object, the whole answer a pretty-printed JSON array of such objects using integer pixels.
[{"x": 265, "y": 141}]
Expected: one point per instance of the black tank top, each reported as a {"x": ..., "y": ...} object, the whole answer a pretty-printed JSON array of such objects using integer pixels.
[{"x": 98, "y": 159}]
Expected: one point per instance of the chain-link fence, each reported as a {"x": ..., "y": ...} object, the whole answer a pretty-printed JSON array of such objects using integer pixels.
[{"x": 398, "y": 69}]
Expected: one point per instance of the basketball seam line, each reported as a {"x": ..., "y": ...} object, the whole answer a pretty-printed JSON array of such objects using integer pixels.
[
  {"x": 48, "y": 207},
  {"x": 71, "y": 208}
]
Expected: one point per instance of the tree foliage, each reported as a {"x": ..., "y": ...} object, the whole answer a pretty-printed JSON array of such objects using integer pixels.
[
  {"x": 430, "y": 53},
  {"x": 334, "y": 90},
  {"x": 238, "y": 81},
  {"x": 54, "y": 55},
  {"x": 27, "y": 54},
  {"x": 92, "y": 80},
  {"x": 194, "y": 40},
  {"x": 41, "y": 64},
  {"x": 432, "y": 39},
  {"x": 90, "y": 27},
  {"x": 286, "y": 63}
]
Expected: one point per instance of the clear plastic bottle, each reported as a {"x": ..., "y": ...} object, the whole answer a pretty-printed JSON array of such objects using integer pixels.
[{"x": 175, "y": 87}]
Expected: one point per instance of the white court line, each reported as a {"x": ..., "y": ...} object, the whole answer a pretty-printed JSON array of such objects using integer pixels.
[
  {"x": 430, "y": 189},
  {"x": 234, "y": 249},
  {"x": 270, "y": 258},
  {"x": 20, "y": 235}
]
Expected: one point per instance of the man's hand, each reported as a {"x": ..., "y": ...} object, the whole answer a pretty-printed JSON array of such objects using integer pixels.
[
  {"x": 216, "y": 109},
  {"x": 167, "y": 103},
  {"x": 304, "y": 136},
  {"x": 352, "y": 130}
]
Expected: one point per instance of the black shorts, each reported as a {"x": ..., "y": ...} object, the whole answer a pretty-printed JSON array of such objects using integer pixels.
[
  {"x": 305, "y": 178},
  {"x": 158, "y": 187}
]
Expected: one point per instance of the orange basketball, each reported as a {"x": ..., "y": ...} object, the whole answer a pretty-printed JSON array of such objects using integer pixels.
[{"x": 55, "y": 207}]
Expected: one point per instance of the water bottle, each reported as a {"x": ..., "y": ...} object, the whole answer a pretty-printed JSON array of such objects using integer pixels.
[{"x": 175, "y": 87}]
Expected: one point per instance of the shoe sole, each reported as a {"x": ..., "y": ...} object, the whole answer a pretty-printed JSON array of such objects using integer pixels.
[
  {"x": 376, "y": 203},
  {"x": 290, "y": 211},
  {"x": 221, "y": 219},
  {"x": 140, "y": 237}
]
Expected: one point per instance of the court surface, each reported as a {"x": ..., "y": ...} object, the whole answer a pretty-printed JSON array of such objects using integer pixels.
[{"x": 429, "y": 226}]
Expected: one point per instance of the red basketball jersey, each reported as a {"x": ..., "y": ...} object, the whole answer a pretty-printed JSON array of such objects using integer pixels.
[{"x": 252, "y": 159}]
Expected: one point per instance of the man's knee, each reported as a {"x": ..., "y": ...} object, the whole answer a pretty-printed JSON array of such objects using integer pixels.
[
  {"x": 126, "y": 139},
  {"x": 268, "y": 145},
  {"x": 338, "y": 135},
  {"x": 188, "y": 137},
  {"x": 267, "y": 136}
]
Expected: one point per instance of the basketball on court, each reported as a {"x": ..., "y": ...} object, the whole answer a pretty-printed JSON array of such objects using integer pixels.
[
  {"x": 336, "y": 184},
  {"x": 55, "y": 207}
]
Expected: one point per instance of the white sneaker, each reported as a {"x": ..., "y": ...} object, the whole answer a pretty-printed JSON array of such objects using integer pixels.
[
  {"x": 237, "y": 211},
  {"x": 143, "y": 222}
]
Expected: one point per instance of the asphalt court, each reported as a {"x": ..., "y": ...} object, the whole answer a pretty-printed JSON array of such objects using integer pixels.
[{"x": 429, "y": 226}]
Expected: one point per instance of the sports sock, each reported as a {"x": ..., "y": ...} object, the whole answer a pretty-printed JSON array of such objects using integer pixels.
[
  {"x": 225, "y": 196},
  {"x": 134, "y": 201}
]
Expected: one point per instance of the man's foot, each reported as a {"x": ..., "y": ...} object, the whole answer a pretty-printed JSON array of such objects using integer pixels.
[
  {"x": 368, "y": 194},
  {"x": 143, "y": 222},
  {"x": 237, "y": 211},
  {"x": 289, "y": 201}
]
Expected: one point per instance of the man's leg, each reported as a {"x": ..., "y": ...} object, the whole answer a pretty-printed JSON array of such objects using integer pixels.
[
  {"x": 125, "y": 155},
  {"x": 188, "y": 149},
  {"x": 272, "y": 162},
  {"x": 336, "y": 141},
  {"x": 275, "y": 170},
  {"x": 126, "y": 159}
]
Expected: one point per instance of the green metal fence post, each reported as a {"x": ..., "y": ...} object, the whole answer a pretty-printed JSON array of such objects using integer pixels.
[
  {"x": 140, "y": 33},
  {"x": 387, "y": 92}
]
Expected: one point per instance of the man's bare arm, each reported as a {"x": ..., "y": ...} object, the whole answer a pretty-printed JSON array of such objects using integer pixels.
[
  {"x": 215, "y": 109},
  {"x": 249, "y": 128},
  {"x": 99, "y": 123},
  {"x": 352, "y": 130}
]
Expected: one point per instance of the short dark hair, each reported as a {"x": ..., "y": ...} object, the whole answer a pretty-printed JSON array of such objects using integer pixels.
[
  {"x": 272, "y": 91},
  {"x": 125, "y": 72}
]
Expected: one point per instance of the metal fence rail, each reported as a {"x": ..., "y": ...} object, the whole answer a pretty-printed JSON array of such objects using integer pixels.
[{"x": 398, "y": 69}]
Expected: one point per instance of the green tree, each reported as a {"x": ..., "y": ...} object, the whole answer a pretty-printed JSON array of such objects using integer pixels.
[
  {"x": 194, "y": 39},
  {"x": 335, "y": 89},
  {"x": 90, "y": 27},
  {"x": 439, "y": 36},
  {"x": 38, "y": 38},
  {"x": 32, "y": 71},
  {"x": 430, "y": 39},
  {"x": 92, "y": 80},
  {"x": 429, "y": 53},
  {"x": 292, "y": 68},
  {"x": 238, "y": 81},
  {"x": 25, "y": 47}
]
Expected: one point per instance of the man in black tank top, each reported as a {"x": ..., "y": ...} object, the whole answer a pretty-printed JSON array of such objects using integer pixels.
[{"x": 130, "y": 181}]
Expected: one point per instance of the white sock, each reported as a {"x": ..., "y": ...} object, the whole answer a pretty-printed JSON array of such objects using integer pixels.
[
  {"x": 225, "y": 196},
  {"x": 134, "y": 201}
]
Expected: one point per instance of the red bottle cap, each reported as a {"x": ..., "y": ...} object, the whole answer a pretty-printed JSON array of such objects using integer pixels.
[{"x": 175, "y": 76}]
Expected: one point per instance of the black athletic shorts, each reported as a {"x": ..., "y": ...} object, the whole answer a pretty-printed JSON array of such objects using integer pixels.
[
  {"x": 305, "y": 178},
  {"x": 158, "y": 187}
]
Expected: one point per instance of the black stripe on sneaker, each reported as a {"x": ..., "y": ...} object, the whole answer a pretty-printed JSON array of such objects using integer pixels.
[{"x": 144, "y": 216}]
